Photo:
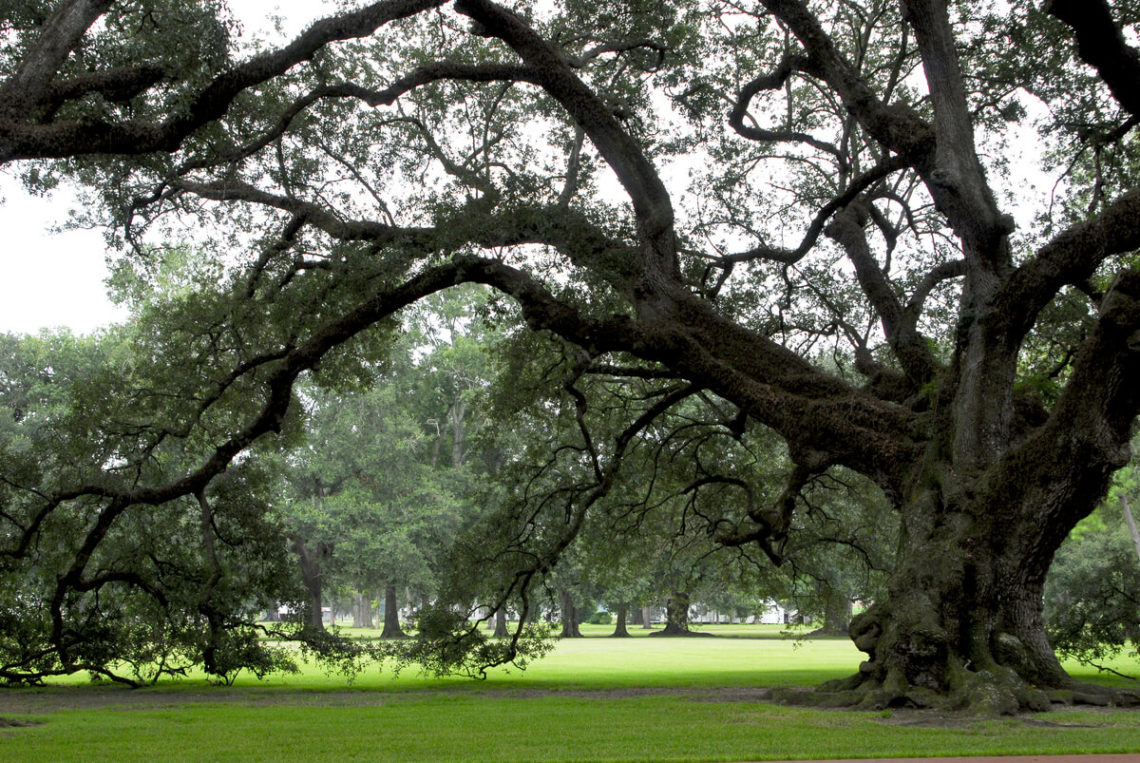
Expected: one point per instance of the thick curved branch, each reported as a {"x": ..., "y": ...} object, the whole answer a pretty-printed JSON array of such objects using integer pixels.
[
  {"x": 895, "y": 125},
  {"x": 847, "y": 229},
  {"x": 40, "y": 64},
  {"x": 620, "y": 46},
  {"x": 114, "y": 84},
  {"x": 958, "y": 181},
  {"x": 651, "y": 202},
  {"x": 914, "y": 306},
  {"x": 1069, "y": 259},
  {"x": 1101, "y": 45},
  {"x": 567, "y": 230},
  {"x": 22, "y": 140},
  {"x": 1057, "y": 474},
  {"x": 955, "y": 181},
  {"x": 812, "y": 410}
]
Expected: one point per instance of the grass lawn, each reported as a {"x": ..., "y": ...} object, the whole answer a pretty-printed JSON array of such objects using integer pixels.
[{"x": 593, "y": 698}]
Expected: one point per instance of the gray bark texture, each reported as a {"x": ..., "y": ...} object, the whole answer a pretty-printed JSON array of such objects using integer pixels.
[{"x": 392, "y": 627}]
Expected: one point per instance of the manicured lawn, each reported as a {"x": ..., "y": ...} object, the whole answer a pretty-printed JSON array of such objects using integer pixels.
[{"x": 594, "y": 698}]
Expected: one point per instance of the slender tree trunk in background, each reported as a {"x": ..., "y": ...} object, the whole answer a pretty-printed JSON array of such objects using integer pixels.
[
  {"x": 500, "y": 624},
  {"x": 311, "y": 576},
  {"x": 569, "y": 616},
  {"x": 458, "y": 444},
  {"x": 619, "y": 628},
  {"x": 635, "y": 616},
  {"x": 392, "y": 627},
  {"x": 366, "y": 610},
  {"x": 357, "y": 609},
  {"x": 1131, "y": 525},
  {"x": 646, "y": 618}
]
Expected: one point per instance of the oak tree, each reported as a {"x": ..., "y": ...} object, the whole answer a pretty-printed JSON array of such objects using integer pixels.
[{"x": 808, "y": 212}]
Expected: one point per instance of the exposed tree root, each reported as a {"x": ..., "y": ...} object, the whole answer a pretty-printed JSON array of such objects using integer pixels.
[{"x": 984, "y": 693}]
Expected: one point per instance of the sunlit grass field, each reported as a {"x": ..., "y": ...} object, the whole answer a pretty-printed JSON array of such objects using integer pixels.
[{"x": 591, "y": 699}]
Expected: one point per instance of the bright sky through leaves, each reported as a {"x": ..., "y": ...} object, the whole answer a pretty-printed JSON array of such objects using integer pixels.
[{"x": 57, "y": 279}]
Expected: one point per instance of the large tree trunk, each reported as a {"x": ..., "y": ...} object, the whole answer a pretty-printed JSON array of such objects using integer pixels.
[
  {"x": 677, "y": 617},
  {"x": 392, "y": 627},
  {"x": 647, "y": 617},
  {"x": 837, "y": 611},
  {"x": 620, "y": 630},
  {"x": 569, "y": 616},
  {"x": 677, "y": 614},
  {"x": 962, "y": 623}
]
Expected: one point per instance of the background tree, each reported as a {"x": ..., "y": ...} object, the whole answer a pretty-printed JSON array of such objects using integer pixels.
[
  {"x": 168, "y": 587},
  {"x": 1091, "y": 603}
]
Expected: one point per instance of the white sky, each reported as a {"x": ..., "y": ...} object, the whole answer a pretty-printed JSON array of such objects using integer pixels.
[{"x": 49, "y": 280}]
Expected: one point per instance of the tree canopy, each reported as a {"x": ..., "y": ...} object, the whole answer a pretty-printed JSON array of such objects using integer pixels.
[{"x": 755, "y": 244}]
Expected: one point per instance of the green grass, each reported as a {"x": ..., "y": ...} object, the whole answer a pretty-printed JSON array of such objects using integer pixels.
[{"x": 593, "y": 698}]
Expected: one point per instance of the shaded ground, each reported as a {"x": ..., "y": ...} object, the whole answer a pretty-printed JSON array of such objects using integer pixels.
[{"x": 31, "y": 701}]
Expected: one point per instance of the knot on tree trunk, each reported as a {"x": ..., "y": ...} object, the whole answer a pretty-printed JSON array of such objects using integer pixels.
[
  {"x": 1010, "y": 652},
  {"x": 865, "y": 630},
  {"x": 1121, "y": 305}
]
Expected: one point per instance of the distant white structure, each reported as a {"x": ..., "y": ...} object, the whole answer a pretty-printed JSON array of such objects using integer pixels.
[
  {"x": 775, "y": 614},
  {"x": 772, "y": 613}
]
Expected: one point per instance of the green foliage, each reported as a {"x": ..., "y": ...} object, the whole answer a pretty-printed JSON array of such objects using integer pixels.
[
  {"x": 1092, "y": 599},
  {"x": 153, "y": 601},
  {"x": 446, "y": 643}
]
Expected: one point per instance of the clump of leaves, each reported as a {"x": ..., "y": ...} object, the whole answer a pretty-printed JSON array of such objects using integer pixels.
[
  {"x": 1093, "y": 594},
  {"x": 448, "y": 643}
]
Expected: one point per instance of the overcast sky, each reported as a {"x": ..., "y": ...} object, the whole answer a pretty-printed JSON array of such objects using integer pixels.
[{"x": 49, "y": 280}]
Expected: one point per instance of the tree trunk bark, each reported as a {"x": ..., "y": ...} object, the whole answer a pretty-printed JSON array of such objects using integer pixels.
[
  {"x": 311, "y": 576},
  {"x": 677, "y": 617},
  {"x": 569, "y": 616},
  {"x": 369, "y": 622},
  {"x": 1131, "y": 524},
  {"x": 962, "y": 623},
  {"x": 619, "y": 628},
  {"x": 357, "y": 609},
  {"x": 646, "y": 617},
  {"x": 837, "y": 611},
  {"x": 500, "y": 624},
  {"x": 392, "y": 627}
]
